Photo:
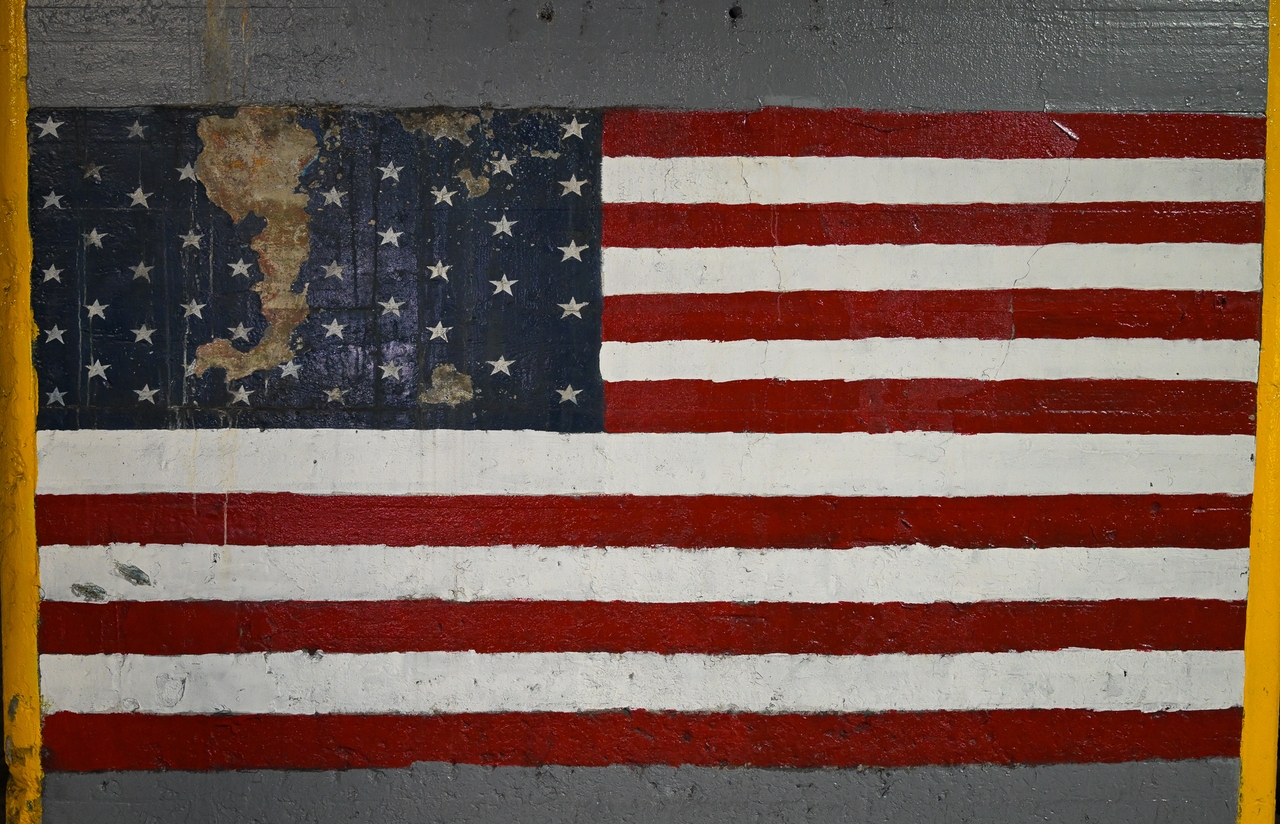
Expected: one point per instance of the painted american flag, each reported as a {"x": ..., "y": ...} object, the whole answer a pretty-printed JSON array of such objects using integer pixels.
[{"x": 789, "y": 439}]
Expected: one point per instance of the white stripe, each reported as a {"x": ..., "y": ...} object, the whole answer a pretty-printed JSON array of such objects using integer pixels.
[
  {"x": 458, "y": 462},
  {"x": 925, "y": 180},
  {"x": 967, "y": 358},
  {"x": 1194, "y": 266},
  {"x": 908, "y": 574},
  {"x": 297, "y": 683}
]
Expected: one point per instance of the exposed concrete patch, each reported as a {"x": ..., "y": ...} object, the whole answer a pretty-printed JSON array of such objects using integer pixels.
[
  {"x": 441, "y": 125},
  {"x": 448, "y": 386}
]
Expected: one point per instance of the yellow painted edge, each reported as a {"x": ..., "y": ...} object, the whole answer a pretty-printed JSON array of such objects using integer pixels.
[
  {"x": 19, "y": 584},
  {"x": 1262, "y": 631}
]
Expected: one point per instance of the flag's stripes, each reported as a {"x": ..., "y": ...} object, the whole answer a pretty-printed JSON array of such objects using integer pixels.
[
  {"x": 960, "y": 406},
  {"x": 461, "y": 462},
  {"x": 894, "y": 739},
  {"x": 904, "y": 180},
  {"x": 267, "y": 519},
  {"x": 909, "y": 574},
  {"x": 311, "y": 681},
  {"x": 993, "y": 314},
  {"x": 930, "y": 358},
  {"x": 717, "y": 628},
  {"x": 1195, "y": 267},
  {"x": 841, "y": 132},
  {"x": 714, "y": 225}
]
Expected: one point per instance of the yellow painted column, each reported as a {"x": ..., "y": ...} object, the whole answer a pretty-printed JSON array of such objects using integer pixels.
[
  {"x": 1262, "y": 633},
  {"x": 19, "y": 584}
]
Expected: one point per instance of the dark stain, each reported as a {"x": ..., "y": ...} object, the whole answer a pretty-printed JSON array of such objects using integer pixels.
[
  {"x": 133, "y": 575},
  {"x": 547, "y": 13},
  {"x": 736, "y": 13},
  {"x": 89, "y": 592}
]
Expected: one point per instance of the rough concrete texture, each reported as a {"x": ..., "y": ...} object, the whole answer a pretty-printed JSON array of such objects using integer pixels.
[
  {"x": 1202, "y": 792},
  {"x": 1140, "y": 55}
]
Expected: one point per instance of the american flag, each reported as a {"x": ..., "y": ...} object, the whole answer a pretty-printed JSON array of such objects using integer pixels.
[{"x": 788, "y": 439}]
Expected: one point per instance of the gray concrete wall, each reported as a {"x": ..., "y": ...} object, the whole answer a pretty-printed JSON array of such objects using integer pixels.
[
  {"x": 1194, "y": 792},
  {"x": 1139, "y": 55}
]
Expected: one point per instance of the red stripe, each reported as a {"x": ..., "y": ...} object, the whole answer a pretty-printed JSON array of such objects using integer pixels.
[
  {"x": 662, "y": 225},
  {"x": 996, "y": 314},
  {"x": 789, "y": 132},
  {"x": 85, "y": 743},
  {"x": 938, "y": 405},
  {"x": 214, "y": 627},
  {"x": 276, "y": 519}
]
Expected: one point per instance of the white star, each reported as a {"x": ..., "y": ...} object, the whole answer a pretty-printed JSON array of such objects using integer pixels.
[
  {"x": 440, "y": 270},
  {"x": 190, "y": 370},
  {"x": 503, "y": 285},
  {"x": 94, "y": 238},
  {"x": 96, "y": 309},
  {"x": 241, "y": 395},
  {"x": 52, "y": 273},
  {"x": 503, "y": 165},
  {"x": 333, "y": 329},
  {"x": 186, "y": 172},
  {"x": 52, "y": 200},
  {"x": 139, "y": 198},
  {"x": 192, "y": 308},
  {"x": 573, "y": 250},
  {"x": 56, "y": 397},
  {"x": 502, "y": 227},
  {"x": 93, "y": 170},
  {"x": 54, "y": 333},
  {"x": 439, "y": 331},
  {"x": 391, "y": 307},
  {"x": 391, "y": 170},
  {"x": 289, "y": 370},
  {"x": 191, "y": 238},
  {"x": 573, "y": 128},
  {"x": 571, "y": 308},
  {"x": 239, "y": 332},
  {"x": 146, "y": 393},
  {"x": 142, "y": 270},
  {"x": 240, "y": 268},
  {"x": 333, "y": 270},
  {"x": 333, "y": 196},
  {"x": 500, "y": 365},
  {"x": 391, "y": 370},
  {"x": 390, "y": 236},
  {"x": 573, "y": 185},
  {"x": 334, "y": 395},
  {"x": 443, "y": 195},
  {"x": 98, "y": 369},
  {"x": 136, "y": 130},
  {"x": 49, "y": 127},
  {"x": 569, "y": 394},
  {"x": 142, "y": 333}
]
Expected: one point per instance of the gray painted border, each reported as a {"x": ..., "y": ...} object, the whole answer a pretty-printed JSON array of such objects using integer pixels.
[
  {"x": 1123, "y": 55},
  {"x": 1194, "y": 792}
]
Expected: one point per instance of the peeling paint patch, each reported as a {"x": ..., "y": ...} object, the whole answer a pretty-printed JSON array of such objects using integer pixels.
[
  {"x": 547, "y": 155},
  {"x": 448, "y": 386},
  {"x": 250, "y": 164},
  {"x": 477, "y": 185},
  {"x": 441, "y": 125}
]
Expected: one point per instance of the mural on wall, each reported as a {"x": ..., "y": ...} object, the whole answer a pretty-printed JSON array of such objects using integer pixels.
[{"x": 786, "y": 439}]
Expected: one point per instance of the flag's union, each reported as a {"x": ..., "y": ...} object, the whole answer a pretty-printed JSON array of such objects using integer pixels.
[{"x": 280, "y": 269}]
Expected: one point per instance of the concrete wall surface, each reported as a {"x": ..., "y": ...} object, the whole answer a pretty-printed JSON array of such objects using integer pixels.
[{"x": 1140, "y": 55}]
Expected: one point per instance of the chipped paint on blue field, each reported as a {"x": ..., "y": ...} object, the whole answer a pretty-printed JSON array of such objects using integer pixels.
[{"x": 385, "y": 303}]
